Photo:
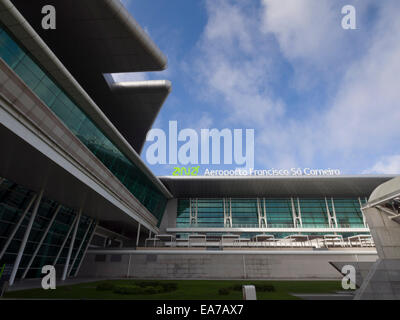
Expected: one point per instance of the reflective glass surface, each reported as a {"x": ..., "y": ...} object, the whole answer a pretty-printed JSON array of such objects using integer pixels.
[
  {"x": 81, "y": 125},
  {"x": 279, "y": 212},
  {"x": 14, "y": 199}
]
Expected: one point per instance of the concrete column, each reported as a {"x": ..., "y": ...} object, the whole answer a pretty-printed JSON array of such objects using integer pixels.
[
  {"x": 383, "y": 277},
  {"x": 362, "y": 212},
  {"x": 16, "y": 227},
  {"x": 25, "y": 238},
  {"x": 41, "y": 241},
  {"x": 71, "y": 246},
  {"x": 129, "y": 266},
  {"x": 138, "y": 235}
]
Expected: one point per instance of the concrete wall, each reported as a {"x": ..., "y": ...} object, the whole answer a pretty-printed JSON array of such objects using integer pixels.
[
  {"x": 383, "y": 279},
  {"x": 219, "y": 266},
  {"x": 385, "y": 232},
  {"x": 169, "y": 217}
]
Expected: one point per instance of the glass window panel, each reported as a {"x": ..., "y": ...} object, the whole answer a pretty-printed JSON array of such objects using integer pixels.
[{"x": 82, "y": 126}]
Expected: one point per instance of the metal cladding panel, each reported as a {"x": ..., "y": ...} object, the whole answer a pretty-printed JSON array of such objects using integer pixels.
[
  {"x": 96, "y": 35},
  {"x": 385, "y": 190},
  {"x": 215, "y": 187}
]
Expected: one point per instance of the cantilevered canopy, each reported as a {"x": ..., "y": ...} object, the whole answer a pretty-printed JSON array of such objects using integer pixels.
[
  {"x": 139, "y": 103},
  {"x": 231, "y": 186},
  {"x": 385, "y": 191},
  {"x": 18, "y": 26},
  {"x": 96, "y": 37}
]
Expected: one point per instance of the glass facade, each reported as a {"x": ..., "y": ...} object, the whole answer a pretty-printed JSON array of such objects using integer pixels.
[
  {"x": 14, "y": 199},
  {"x": 279, "y": 212},
  {"x": 314, "y": 213},
  {"x": 183, "y": 212},
  {"x": 210, "y": 212},
  {"x": 348, "y": 213},
  {"x": 81, "y": 125},
  {"x": 244, "y": 212}
]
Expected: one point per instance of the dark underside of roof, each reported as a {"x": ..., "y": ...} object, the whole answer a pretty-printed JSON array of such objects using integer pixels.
[
  {"x": 95, "y": 37},
  {"x": 217, "y": 187}
]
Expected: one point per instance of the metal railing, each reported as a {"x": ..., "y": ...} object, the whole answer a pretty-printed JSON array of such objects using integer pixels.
[
  {"x": 318, "y": 243},
  {"x": 305, "y": 225}
]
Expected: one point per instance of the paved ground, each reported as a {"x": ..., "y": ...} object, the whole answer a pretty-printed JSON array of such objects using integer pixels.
[{"x": 328, "y": 296}]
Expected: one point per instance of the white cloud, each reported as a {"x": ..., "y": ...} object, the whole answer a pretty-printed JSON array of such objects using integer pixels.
[
  {"x": 204, "y": 122},
  {"x": 230, "y": 66},
  {"x": 387, "y": 165},
  {"x": 306, "y": 29},
  {"x": 238, "y": 68}
]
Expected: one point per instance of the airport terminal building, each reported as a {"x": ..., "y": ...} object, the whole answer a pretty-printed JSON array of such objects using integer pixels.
[{"x": 74, "y": 192}]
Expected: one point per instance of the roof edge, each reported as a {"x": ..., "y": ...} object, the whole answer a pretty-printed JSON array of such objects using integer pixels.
[
  {"x": 141, "y": 86},
  {"x": 126, "y": 18},
  {"x": 384, "y": 191},
  {"x": 22, "y": 30}
]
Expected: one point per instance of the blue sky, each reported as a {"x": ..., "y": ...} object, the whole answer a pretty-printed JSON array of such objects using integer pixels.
[{"x": 316, "y": 95}]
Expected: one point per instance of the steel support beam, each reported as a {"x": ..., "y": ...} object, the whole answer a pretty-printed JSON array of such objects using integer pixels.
[
  {"x": 294, "y": 217},
  {"x": 299, "y": 217},
  {"x": 334, "y": 212},
  {"x": 25, "y": 238},
  {"x": 41, "y": 241},
  {"x": 265, "y": 213},
  {"x": 129, "y": 266},
  {"x": 71, "y": 246},
  {"x": 86, "y": 249},
  {"x": 138, "y": 235},
  {"x": 362, "y": 212},
  {"x": 11, "y": 236},
  {"x": 80, "y": 247},
  {"x": 65, "y": 241}
]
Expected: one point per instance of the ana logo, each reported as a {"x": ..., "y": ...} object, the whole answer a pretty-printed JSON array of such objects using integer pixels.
[{"x": 183, "y": 171}]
